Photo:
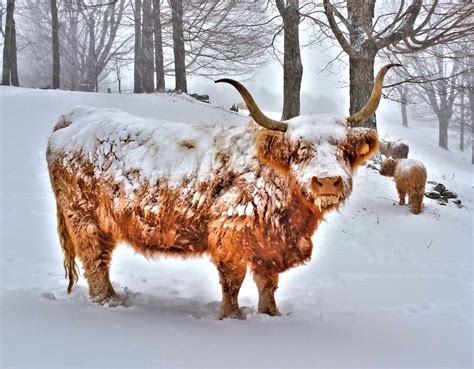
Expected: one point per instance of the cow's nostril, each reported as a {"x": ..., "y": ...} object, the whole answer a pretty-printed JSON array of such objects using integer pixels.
[
  {"x": 338, "y": 182},
  {"x": 319, "y": 183}
]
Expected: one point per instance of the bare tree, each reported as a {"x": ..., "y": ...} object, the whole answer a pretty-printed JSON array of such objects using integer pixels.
[
  {"x": 226, "y": 36},
  {"x": 138, "y": 50},
  {"x": 178, "y": 45},
  {"x": 470, "y": 94},
  {"x": 118, "y": 74},
  {"x": 90, "y": 82},
  {"x": 435, "y": 73},
  {"x": 159, "y": 59},
  {"x": 403, "y": 104},
  {"x": 206, "y": 38},
  {"x": 462, "y": 123},
  {"x": 55, "y": 45},
  {"x": 90, "y": 40},
  {"x": 14, "y": 63},
  {"x": 148, "y": 78},
  {"x": 408, "y": 28},
  {"x": 441, "y": 95},
  {"x": 292, "y": 66},
  {"x": 10, "y": 69}
]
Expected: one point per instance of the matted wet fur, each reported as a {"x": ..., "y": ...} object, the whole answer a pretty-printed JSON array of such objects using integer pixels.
[
  {"x": 266, "y": 224},
  {"x": 410, "y": 179},
  {"x": 247, "y": 197}
]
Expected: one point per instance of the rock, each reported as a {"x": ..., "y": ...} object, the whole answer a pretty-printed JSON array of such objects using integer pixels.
[
  {"x": 440, "y": 188},
  {"x": 457, "y": 202},
  {"x": 433, "y": 195},
  {"x": 450, "y": 194},
  {"x": 442, "y": 203},
  {"x": 202, "y": 98}
]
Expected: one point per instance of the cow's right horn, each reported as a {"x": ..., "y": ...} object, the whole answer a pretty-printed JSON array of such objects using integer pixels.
[
  {"x": 374, "y": 99},
  {"x": 257, "y": 115}
]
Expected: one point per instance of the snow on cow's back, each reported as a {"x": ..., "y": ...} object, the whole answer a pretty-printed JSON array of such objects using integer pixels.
[
  {"x": 407, "y": 165},
  {"x": 118, "y": 143}
]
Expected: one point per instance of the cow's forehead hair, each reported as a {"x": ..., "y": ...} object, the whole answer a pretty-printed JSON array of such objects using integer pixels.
[{"x": 317, "y": 128}]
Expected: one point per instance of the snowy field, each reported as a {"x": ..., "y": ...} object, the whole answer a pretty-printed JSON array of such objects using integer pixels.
[{"x": 385, "y": 288}]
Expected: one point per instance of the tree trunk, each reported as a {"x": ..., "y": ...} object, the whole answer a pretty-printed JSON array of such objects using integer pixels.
[
  {"x": 14, "y": 65},
  {"x": 147, "y": 44},
  {"x": 178, "y": 45},
  {"x": 138, "y": 66},
  {"x": 361, "y": 66},
  {"x": 361, "y": 81},
  {"x": 443, "y": 131},
  {"x": 292, "y": 66},
  {"x": 470, "y": 91},
  {"x": 7, "y": 46},
  {"x": 55, "y": 44},
  {"x": 159, "y": 60},
  {"x": 73, "y": 75},
  {"x": 462, "y": 122},
  {"x": 90, "y": 83},
  {"x": 403, "y": 103}
]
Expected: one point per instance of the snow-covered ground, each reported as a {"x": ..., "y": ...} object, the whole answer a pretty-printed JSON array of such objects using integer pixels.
[{"x": 385, "y": 288}]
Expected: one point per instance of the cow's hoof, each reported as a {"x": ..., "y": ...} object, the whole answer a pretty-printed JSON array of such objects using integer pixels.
[
  {"x": 235, "y": 314},
  {"x": 270, "y": 311},
  {"x": 108, "y": 300}
]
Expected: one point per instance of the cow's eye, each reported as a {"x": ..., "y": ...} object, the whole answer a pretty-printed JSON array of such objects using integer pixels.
[{"x": 350, "y": 157}]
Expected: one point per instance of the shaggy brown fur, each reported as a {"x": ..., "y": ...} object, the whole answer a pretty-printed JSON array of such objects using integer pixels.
[
  {"x": 394, "y": 149},
  {"x": 260, "y": 201},
  {"x": 94, "y": 215},
  {"x": 410, "y": 179}
]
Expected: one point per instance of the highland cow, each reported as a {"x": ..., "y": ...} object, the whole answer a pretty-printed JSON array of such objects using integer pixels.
[
  {"x": 410, "y": 179},
  {"x": 247, "y": 196},
  {"x": 394, "y": 149}
]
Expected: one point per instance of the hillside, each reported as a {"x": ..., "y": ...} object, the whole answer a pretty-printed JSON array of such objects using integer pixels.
[{"x": 385, "y": 288}]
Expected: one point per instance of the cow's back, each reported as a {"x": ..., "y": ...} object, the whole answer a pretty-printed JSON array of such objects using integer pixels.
[{"x": 412, "y": 173}]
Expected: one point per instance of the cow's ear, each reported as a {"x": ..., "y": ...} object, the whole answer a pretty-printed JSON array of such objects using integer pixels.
[
  {"x": 363, "y": 144},
  {"x": 273, "y": 148}
]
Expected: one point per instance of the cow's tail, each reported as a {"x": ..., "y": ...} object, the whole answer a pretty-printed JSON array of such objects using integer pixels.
[{"x": 70, "y": 266}]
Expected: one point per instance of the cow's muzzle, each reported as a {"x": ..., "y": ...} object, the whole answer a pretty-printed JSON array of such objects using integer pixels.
[
  {"x": 329, "y": 186},
  {"x": 327, "y": 191}
]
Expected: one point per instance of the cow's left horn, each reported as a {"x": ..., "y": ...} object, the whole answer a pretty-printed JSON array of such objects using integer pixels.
[
  {"x": 255, "y": 112},
  {"x": 374, "y": 100}
]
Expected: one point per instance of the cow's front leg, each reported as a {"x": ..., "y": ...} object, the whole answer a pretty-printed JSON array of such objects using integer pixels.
[
  {"x": 267, "y": 284},
  {"x": 231, "y": 275}
]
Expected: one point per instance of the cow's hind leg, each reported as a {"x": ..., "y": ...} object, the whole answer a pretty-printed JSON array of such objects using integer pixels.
[
  {"x": 267, "y": 284},
  {"x": 231, "y": 276},
  {"x": 415, "y": 201},
  {"x": 401, "y": 195},
  {"x": 94, "y": 249}
]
